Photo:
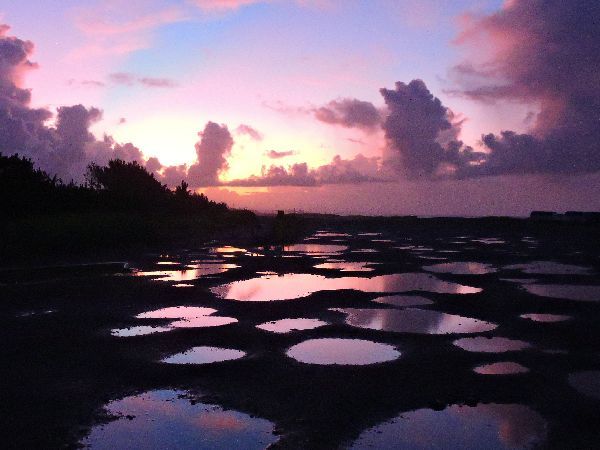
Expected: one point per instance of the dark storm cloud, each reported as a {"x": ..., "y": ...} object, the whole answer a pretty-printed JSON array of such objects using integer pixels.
[
  {"x": 211, "y": 152},
  {"x": 349, "y": 113},
  {"x": 545, "y": 52},
  {"x": 64, "y": 149},
  {"x": 274, "y": 154}
]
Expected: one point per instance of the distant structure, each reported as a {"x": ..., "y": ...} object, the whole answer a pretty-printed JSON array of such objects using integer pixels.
[{"x": 569, "y": 216}]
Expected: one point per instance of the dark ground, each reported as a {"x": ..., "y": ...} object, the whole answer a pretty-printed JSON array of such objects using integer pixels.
[{"x": 60, "y": 368}]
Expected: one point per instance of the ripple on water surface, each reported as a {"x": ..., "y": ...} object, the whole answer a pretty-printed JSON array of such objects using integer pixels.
[
  {"x": 489, "y": 426},
  {"x": 204, "y": 355},
  {"x": 169, "y": 419},
  {"x": 414, "y": 321},
  {"x": 335, "y": 351},
  {"x": 297, "y": 285}
]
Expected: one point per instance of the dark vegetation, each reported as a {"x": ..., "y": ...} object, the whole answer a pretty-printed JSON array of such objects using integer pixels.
[{"x": 119, "y": 206}]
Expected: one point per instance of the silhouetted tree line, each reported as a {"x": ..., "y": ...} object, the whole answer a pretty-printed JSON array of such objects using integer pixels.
[{"x": 117, "y": 187}]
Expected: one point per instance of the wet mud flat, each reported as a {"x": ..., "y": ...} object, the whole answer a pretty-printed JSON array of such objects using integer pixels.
[{"x": 364, "y": 335}]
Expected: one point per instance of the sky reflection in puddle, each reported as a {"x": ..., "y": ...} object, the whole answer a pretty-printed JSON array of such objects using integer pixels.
[
  {"x": 489, "y": 426},
  {"x": 316, "y": 248},
  {"x": 289, "y": 325},
  {"x": 586, "y": 382},
  {"x": 491, "y": 345},
  {"x": 192, "y": 273},
  {"x": 490, "y": 241},
  {"x": 141, "y": 330},
  {"x": 204, "y": 355},
  {"x": 203, "y": 322},
  {"x": 177, "y": 312},
  {"x": 167, "y": 419},
  {"x": 501, "y": 368},
  {"x": 414, "y": 321},
  {"x": 547, "y": 318},
  {"x": 549, "y": 268},
  {"x": 297, "y": 285},
  {"x": 227, "y": 249},
  {"x": 403, "y": 300},
  {"x": 346, "y": 266},
  {"x": 334, "y": 351},
  {"x": 461, "y": 268},
  {"x": 565, "y": 291}
]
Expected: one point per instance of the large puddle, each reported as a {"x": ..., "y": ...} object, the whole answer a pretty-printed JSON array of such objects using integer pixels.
[
  {"x": 491, "y": 345},
  {"x": 204, "y": 355},
  {"x": 333, "y": 351},
  {"x": 586, "y": 382},
  {"x": 550, "y": 268},
  {"x": 297, "y": 285},
  {"x": 485, "y": 426},
  {"x": 565, "y": 291},
  {"x": 414, "y": 321},
  {"x": 169, "y": 419},
  {"x": 403, "y": 300},
  {"x": 289, "y": 325},
  {"x": 461, "y": 268}
]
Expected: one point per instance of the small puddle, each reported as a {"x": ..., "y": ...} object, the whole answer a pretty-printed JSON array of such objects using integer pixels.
[
  {"x": 296, "y": 285},
  {"x": 346, "y": 266},
  {"x": 548, "y": 318},
  {"x": 403, "y": 300},
  {"x": 337, "y": 351},
  {"x": 227, "y": 249},
  {"x": 322, "y": 234},
  {"x": 192, "y": 273},
  {"x": 491, "y": 345},
  {"x": 461, "y": 268},
  {"x": 586, "y": 382},
  {"x": 549, "y": 268},
  {"x": 141, "y": 330},
  {"x": 172, "y": 419},
  {"x": 177, "y": 312},
  {"x": 289, "y": 325},
  {"x": 364, "y": 250},
  {"x": 203, "y": 322},
  {"x": 414, "y": 321},
  {"x": 320, "y": 249},
  {"x": 565, "y": 291},
  {"x": 490, "y": 241},
  {"x": 204, "y": 355},
  {"x": 501, "y": 368},
  {"x": 489, "y": 426}
]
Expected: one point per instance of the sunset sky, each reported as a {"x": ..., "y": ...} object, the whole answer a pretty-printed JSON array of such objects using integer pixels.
[{"x": 279, "y": 104}]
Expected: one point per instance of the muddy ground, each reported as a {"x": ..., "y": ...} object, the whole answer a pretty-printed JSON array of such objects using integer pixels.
[{"x": 61, "y": 364}]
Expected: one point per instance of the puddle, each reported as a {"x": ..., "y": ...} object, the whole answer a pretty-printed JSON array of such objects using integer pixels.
[
  {"x": 491, "y": 345},
  {"x": 203, "y": 322},
  {"x": 382, "y": 240},
  {"x": 519, "y": 280},
  {"x": 403, "y": 300},
  {"x": 346, "y": 266},
  {"x": 183, "y": 285},
  {"x": 322, "y": 234},
  {"x": 414, "y": 321},
  {"x": 204, "y": 355},
  {"x": 141, "y": 330},
  {"x": 177, "y": 312},
  {"x": 501, "y": 368},
  {"x": 565, "y": 291},
  {"x": 461, "y": 268},
  {"x": 36, "y": 313},
  {"x": 227, "y": 249},
  {"x": 194, "y": 272},
  {"x": 586, "y": 382},
  {"x": 170, "y": 419},
  {"x": 549, "y": 268},
  {"x": 289, "y": 325},
  {"x": 369, "y": 234},
  {"x": 316, "y": 248},
  {"x": 489, "y": 426},
  {"x": 432, "y": 258},
  {"x": 364, "y": 250},
  {"x": 548, "y": 318},
  {"x": 336, "y": 351},
  {"x": 168, "y": 263},
  {"x": 297, "y": 285}
]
